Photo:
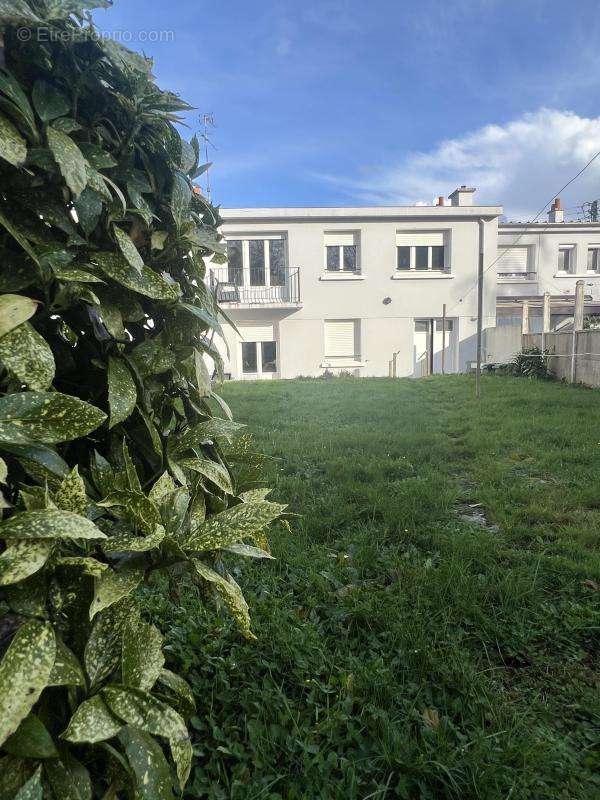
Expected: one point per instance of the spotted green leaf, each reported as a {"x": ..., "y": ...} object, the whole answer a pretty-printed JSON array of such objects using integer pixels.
[
  {"x": 103, "y": 648},
  {"x": 247, "y": 550},
  {"x": 181, "y": 196},
  {"x": 178, "y": 687},
  {"x": 207, "y": 432},
  {"x": 129, "y": 542},
  {"x": 69, "y": 779},
  {"x": 254, "y": 494},
  {"x": 128, "y": 248},
  {"x": 4, "y": 471},
  {"x": 88, "y": 566},
  {"x": 145, "y": 712},
  {"x": 89, "y": 208},
  {"x": 48, "y": 101},
  {"x": 70, "y": 160},
  {"x": 122, "y": 392},
  {"x": 163, "y": 486},
  {"x": 47, "y": 417},
  {"x": 153, "y": 357},
  {"x": 24, "y": 672},
  {"x": 13, "y": 147},
  {"x": 32, "y": 788},
  {"x": 42, "y": 463},
  {"x": 49, "y": 524},
  {"x": 92, "y": 722},
  {"x": 14, "y": 310},
  {"x": 31, "y": 740},
  {"x": 27, "y": 356},
  {"x": 232, "y": 525},
  {"x": 142, "y": 658},
  {"x": 147, "y": 282},
  {"x": 215, "y": 472},
  {"x": 113, "y": 586},
  {"x": 230, "y": 593},
  {"x": 71, "y": 495},
  {"x": 135, "y": 507},
  {"x": 223, "y": 405},
  {"x": 23, "y": 558},
  {"x": 67, "y": 670},
  {"x": 149, "y": 765}
]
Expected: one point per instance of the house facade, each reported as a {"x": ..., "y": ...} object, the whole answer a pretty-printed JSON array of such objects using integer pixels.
[{"x": 365, "y": 290}]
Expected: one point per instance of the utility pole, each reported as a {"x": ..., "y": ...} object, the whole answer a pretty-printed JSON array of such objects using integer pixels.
[
  {"x": 444, "y": 339},
  {"x": 479, "y": 310}
]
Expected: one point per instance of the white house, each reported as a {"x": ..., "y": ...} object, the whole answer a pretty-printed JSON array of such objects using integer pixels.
[{"x": 352, "y": 289}]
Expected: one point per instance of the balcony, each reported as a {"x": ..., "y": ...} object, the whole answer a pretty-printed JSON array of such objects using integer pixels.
[
  {"x": 517, "y": 277},
  {"x": 256, "y": 287}
]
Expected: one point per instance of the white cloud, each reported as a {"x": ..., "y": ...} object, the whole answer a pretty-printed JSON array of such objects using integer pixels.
[{"x": 520, "y": 164}]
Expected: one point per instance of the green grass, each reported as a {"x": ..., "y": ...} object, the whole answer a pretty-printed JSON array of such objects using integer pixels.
[{"x": 403, "y": 652}]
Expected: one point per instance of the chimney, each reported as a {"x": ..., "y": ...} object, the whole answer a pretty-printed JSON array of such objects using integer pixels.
[
  {"x": 556, "y": 213},
  {"x": 440, "y": 201},
  {"x": 463, "y": 196}
]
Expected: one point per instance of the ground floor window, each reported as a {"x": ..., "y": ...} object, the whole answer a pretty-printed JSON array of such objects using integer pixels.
[{"x": 259, "y": 357}]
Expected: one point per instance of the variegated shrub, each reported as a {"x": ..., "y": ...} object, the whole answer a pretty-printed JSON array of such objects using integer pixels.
[{"x": 111, "y": 465}]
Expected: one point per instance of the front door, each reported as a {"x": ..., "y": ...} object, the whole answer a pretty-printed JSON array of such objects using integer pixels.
[{"x": 429, "y": 344}]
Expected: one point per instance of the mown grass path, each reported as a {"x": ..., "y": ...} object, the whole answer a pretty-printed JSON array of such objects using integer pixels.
[{"x": 405, "y": 652}]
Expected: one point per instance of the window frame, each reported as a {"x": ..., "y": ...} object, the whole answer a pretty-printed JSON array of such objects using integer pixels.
[
  {"x": 259, "y": 358},
  {"x": 247, "y": 277},
  {"x": 341, "y": 254},
  {"x": 595, "y": 249},
  {"x": 412, "y": 248},
  {"x": 570, "y": 250}
]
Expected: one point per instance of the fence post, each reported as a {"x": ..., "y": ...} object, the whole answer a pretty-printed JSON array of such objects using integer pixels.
[
  {"x": 577, "y": 325},
  {"x": 525, "y": 317}
]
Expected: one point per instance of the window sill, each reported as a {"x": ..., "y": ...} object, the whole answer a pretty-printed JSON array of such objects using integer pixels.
[
  {"x": 517, "y": 280},
  {"x": 567, "y": 275},
  {"x": 341, "y": 364},
  {"x": 428, "y": 275},
  {"x": 592, "y": 273},
  {"x": 343, "y": 276}
]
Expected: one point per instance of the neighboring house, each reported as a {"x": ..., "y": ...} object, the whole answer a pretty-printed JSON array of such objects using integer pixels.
[{"x": 352, "y": 289}]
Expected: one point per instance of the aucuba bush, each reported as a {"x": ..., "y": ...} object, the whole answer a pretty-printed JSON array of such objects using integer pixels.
[{"x": 112, "y": 439}]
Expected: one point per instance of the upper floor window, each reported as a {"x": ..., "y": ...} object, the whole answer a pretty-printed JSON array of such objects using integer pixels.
[
  {"x": 513, "y": 262},
  {"x": 342, "y": 251},
  {"x": 257, "y": 261},
  {"x": 420, "y": 251},
  {"x": 566, "y": 258},
  {"x": 593, "y": 258}
]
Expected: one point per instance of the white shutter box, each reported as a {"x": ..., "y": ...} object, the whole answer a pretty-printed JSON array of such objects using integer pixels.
[
  {"x": 257, "y": 333},
  {"x": 339, "y": 238},
  {"x": 512, "y": 259},
  {"x": 420, "y": 239},
  {"x": 340, "y": 338}
]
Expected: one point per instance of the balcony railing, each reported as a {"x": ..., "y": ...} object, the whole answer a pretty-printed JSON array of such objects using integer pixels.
[
  {"x": 517, "y": 276},
  {"x": 256, "y": 287}
]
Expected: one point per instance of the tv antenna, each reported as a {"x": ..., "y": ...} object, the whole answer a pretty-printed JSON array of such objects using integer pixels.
[{"x": 208, "y": 121}]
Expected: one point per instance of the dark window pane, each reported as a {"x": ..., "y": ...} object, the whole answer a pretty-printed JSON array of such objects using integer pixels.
[
  {"x": 421, "y": 257},
  {"x": 421, "y": 326},
  {"x": 249, "y": 363},
  {"x": 439, "y": 325},
  {"x": 437, "y": 257},
  {"x": 333, "y": 257},
  {"x": 257, "y": 262},
  {"x": 350, "y": 257},
  {"x": 403, "y": 257},
  {"x": 277, "y": 262},
  {"x": 235, "y": 261},
  {"x": 593, "y": 263},
  {"x": 269, "y": 356}
]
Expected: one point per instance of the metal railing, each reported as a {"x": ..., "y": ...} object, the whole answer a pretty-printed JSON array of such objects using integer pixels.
[
  {"x": 517, "y": 276},
  {"x": 251, "y": 287}
]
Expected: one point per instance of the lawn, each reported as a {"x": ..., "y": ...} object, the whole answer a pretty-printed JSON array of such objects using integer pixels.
[{"x": 431, "y": 627}]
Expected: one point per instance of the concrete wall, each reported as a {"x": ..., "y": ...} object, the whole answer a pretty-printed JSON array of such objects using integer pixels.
[
  {"x": 502, "y": 343},
  {"x": 385, "y": 301},
  {"x": 560, "y": 348}
]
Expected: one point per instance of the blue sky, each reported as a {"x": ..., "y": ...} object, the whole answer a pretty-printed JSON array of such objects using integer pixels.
[{"x": 346, "y": 102}]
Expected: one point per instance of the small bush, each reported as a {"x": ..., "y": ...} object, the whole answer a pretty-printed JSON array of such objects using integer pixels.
[{"x": 530, "y": 363}]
